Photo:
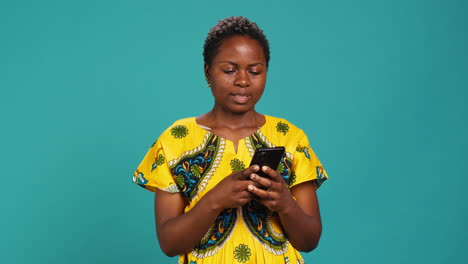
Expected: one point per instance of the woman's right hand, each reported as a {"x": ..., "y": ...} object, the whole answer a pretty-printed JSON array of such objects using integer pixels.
[{"x": 232, "y": 191}]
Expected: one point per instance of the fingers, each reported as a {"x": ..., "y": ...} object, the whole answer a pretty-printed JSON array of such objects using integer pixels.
[
  {"x": 261, "y": 182},
  {"x": 275, "y": 176},
  {"x": 276, "y": 201},
  {"x": 270, "y": 188},
  {"x": 243, "y": 194},
  {"x": 231, "y": 194},
  {"x": 267, "y": 183},
  {"x": 252, "y": 169},
  {"x": 263, "y": 194},
  {"x": 245, "y": 174}
]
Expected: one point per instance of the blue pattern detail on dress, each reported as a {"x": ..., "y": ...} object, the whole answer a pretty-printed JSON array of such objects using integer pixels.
[
  {"x": 305, "y": 150},
  {"x": 320, "y": 175},
  {"x": 190, "y": 170},
  {"x": 140, "y": 178},
  {"x": 256, "y": 216},
  {"x": 220, "y": 230}
]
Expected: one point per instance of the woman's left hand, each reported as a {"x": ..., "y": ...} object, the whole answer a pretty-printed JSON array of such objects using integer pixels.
[{"x": 275, "y": 195}]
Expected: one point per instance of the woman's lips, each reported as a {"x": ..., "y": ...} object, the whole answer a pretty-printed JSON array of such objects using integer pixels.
[{"x": 240, "y": 99}]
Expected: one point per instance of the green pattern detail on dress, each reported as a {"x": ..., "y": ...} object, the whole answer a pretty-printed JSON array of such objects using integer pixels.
[
  {"x": 237, "y": 165},
  {"x": 292, "y": 178},
  {"x": 179, "y": 179},
  {"x": 282, "y": 128},
  {"x": 196, "y": 170},
  {"x": 158, "y": 161},
  {"x": 179, "y": 131},
  {"x": 242, "y": 253},
  {"x": 288, "y": 174},
  {"x": 280, "y": 168},
  {"x": 257, "y": 142}
]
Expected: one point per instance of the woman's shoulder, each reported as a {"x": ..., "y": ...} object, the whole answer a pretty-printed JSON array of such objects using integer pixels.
[
  {"x": 182, "y": 134},
  {"x": 188, "y": 121},
  {"x": 282, "y": 125},
  {"x": 180, "y": 128}
]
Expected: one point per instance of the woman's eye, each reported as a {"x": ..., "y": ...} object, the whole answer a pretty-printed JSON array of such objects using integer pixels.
[
  {"x": 254, "y": 73},
  {"x": 229, "y": 71}
]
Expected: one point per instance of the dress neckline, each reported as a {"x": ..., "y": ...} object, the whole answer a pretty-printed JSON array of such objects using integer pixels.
[{"x": 208, "y": 130}]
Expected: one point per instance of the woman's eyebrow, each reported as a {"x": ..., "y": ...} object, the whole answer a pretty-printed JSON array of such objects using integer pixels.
[
  {"x": 257, "y": 63},
  {"x": 250, "y": 65}
]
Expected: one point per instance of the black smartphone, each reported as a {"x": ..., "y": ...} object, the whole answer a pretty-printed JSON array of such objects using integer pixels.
[{"x": 270, "y": 157}]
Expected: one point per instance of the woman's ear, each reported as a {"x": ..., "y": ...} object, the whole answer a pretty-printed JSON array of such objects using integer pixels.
[{"x": 207, "y": 73}]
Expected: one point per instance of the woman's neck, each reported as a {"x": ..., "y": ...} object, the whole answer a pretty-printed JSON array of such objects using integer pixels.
[
  {"x": 231, "y": 126},
  {"x": 217, "y": 118}
]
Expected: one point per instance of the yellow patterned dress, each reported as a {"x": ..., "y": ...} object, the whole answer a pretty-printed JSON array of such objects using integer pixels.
[{"x": 189, "y": 159}]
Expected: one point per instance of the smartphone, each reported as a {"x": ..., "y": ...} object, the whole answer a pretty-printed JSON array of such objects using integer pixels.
[{"x": 270, "y": 157}]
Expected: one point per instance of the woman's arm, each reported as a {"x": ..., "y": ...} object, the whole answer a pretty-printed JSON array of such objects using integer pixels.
[
  {"x": 301, "y": 220},
  {"x": 300, "y": 217},
  {"x": 179, "y": 232}
]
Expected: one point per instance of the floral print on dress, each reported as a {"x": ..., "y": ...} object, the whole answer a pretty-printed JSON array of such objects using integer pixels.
[
  {"x": 179, "y": 131},
  {"x": 237, "y": 165},
  {"x": 242, "y": 253},
  {"x": 282, "y": 128}
]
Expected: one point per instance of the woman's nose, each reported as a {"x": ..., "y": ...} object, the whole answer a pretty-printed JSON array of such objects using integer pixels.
[{"x": 242, "y": 80}]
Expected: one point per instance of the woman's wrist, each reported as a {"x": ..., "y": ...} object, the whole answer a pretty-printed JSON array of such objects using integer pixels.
[
  {"x": 288, "y": 207},
  {"x": 211, "y": 203}
]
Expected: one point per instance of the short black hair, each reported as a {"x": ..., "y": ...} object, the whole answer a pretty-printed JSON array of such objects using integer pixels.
[{"x": 233, "y": 26}]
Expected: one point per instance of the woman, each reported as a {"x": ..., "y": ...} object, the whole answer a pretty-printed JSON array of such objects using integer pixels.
[{"x": 209, "y": 206}]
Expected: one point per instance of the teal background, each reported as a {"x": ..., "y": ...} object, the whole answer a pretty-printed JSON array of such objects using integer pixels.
[{"x": 379, "y": 87}]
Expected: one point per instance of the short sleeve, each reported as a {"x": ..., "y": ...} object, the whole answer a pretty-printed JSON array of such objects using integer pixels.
[
  {"x": 153, "y": 171},
  {"x": 306, "y": 165}
]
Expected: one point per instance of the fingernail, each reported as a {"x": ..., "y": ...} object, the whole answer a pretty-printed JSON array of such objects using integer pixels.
[
  {"x": 264, "y": 168},
  {"x": 251, "y": 188},
  {"x": 252, "y": 176}
]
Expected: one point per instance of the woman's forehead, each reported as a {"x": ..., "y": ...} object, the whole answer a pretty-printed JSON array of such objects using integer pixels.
[{"x": 240, "y": 47}]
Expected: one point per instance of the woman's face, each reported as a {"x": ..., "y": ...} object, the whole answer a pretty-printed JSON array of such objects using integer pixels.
[{"x": 237, "y": 74}]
